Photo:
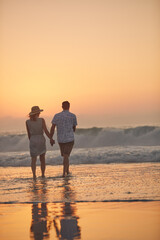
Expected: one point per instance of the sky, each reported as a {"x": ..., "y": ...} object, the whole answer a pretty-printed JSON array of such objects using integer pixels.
[{"x": 101, "y": 55}]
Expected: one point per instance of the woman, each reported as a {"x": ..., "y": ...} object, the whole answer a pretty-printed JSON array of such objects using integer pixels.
[{"x": 35, "y": 128}]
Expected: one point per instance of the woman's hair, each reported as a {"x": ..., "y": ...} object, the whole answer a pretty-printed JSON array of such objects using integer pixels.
[{"x": 33, "y": 117}]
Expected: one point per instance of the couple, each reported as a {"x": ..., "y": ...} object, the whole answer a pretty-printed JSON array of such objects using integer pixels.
[{"x": 65, "y": 122}]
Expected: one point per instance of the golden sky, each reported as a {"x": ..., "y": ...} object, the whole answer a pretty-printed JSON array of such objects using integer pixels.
[{"x": 101, "y": 55}]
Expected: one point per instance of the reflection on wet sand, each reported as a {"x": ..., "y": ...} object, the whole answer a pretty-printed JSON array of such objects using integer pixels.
[
  {"x": 47, "y": 217},
  {"x": 68, "y": 227},
  {"x": 40, "y": 225}
]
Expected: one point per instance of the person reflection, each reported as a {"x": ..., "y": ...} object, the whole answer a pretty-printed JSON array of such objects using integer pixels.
[
  {"x": 39, "y": 229},
  {"x": 40, "y": 224},
  {"x": 69, "y": 228}
]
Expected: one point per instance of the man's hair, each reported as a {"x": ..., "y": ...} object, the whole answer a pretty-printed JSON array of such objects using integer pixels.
[{"x": 65, "y": 105}]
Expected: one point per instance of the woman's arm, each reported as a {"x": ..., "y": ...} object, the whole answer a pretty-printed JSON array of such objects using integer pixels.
[
  {"x": 47, "y": 133},
  {"x": 45, "y": 129},
  {"x": 28, "y": 130}
]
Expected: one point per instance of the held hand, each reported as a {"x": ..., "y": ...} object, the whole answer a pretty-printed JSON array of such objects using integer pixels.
[{"x": 52, "y": 142}]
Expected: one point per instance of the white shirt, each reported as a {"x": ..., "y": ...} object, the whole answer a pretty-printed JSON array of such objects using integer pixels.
[{"x": 65, "y": 121}]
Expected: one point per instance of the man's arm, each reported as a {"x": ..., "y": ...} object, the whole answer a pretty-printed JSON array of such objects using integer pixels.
[
  {"x": 52, "y": 130},
  {"x": 74, "y": 123},
  {"x": 52, "y": 133},
  {"x": 74, "y": 128}
]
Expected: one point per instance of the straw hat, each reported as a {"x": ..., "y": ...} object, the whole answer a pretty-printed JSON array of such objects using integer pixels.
[{"x": 35, "y": 110}]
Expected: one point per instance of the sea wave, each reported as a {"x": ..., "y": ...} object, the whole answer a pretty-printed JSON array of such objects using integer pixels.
[
  {"x": 91, "y": 138},
  {"x": 99, "y": 155}
]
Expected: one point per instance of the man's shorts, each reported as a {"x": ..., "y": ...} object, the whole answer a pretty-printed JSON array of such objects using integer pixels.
[{"x": 66, "y": 148}]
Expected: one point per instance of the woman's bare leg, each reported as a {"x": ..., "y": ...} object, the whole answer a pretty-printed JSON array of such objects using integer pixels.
[
  {"x": 43, "y": 164},
  {"x": 33, "y": 166}
]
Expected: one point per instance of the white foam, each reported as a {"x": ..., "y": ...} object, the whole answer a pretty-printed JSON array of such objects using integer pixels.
[{"x": 110, "y": 154}]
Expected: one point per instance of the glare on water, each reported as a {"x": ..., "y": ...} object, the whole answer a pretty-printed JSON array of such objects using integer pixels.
[{"x": 100, "y": 182}]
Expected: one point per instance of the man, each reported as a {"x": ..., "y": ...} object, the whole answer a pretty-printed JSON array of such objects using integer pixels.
[{"x": 66, "y": 123}]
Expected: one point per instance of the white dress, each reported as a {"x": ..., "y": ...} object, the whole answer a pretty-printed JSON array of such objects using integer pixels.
[{"x": 37, "y": 140}]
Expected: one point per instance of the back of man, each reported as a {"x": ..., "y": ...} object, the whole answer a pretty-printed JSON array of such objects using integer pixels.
[{"x": 66, "y": 123}]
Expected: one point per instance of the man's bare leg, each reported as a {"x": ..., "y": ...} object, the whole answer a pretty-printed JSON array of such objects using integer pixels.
[
  {"x": 65, "y": 164},
  {"x": 43, "y": 164},
  {"x": 68, "y": 166},
  {"x": 33, "y": 166}
]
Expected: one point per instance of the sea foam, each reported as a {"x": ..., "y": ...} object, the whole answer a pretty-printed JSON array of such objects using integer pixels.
[{"x": 92, "y": 146}]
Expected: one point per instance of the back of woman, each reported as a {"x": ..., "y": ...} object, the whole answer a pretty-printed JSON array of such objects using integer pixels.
[
  {"x": 37, "y": 143},
  {"x": 35, "y": 127}
]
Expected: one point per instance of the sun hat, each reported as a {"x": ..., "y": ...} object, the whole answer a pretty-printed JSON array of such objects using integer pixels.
[{"x": 35, "y": 110}]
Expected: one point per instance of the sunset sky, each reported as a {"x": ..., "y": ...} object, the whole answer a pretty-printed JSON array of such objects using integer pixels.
[{"x": 101, "y": 55}]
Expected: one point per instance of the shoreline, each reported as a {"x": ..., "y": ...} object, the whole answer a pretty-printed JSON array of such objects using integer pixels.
[{"x": 84, "y": 201}]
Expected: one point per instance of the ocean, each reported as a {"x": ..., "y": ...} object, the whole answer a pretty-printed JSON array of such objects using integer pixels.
[{"x": 107, "y": 165}]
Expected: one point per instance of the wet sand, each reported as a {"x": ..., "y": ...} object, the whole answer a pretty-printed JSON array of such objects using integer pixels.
[{"x": 88, "y": 221}]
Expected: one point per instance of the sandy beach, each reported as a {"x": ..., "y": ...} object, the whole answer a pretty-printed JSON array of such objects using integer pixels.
[
  {"x": 129, "y": 220},
  {"x": 95, "y": 202}
]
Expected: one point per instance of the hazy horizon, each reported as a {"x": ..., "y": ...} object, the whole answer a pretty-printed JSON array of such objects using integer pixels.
[
  {"x": 13, "y": 124},
  {"x": 101, "y": 56}
]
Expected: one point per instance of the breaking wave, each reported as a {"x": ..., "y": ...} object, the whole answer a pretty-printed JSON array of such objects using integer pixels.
[
  {"x": 92, "y": 146},
  {"x": 91, "y": 138}
]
